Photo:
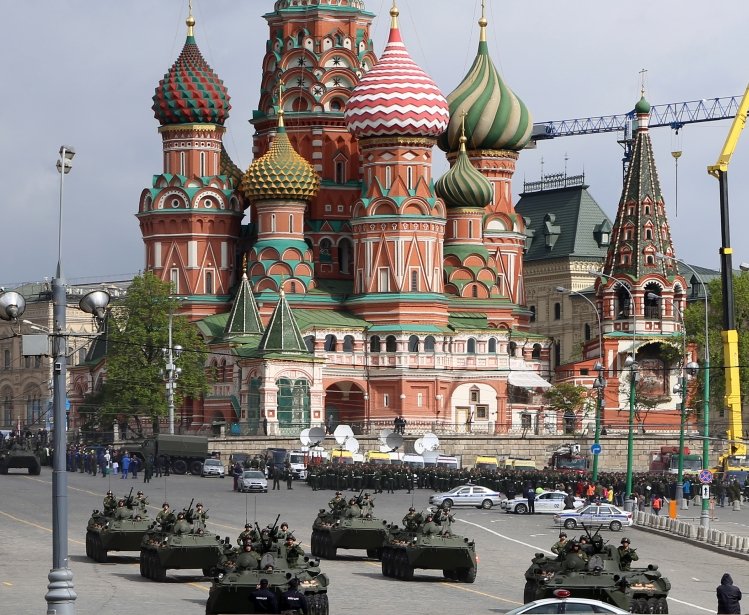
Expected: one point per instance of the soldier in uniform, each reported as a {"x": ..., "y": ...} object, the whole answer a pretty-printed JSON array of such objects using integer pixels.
[
  {"x": 122, "y": 512},
  {"x": 352, "y": 510},
  {"x": 249, "y": 535},
  {"x": 377, "y": 481},
  {"x": 337, "y": 503},
  {"x": 575, "y": 559},
  {"x": 560, "y": 546},
  {"x": 366, "y": 505},
  {"x": 626, "y": 555},
  {"x": 430, "y": 527},
  {"x": 110, "y": 503},
  {"x": 282, "y": 533},
  {"x": 140, "y": 501},
  {"x": 182, "y": 526},
  {"x": 199, "y": 516},
  {"x": 411, "y": 520},
  {"x": 293, "y": 551},
  {"x": 165, "y": 515}
]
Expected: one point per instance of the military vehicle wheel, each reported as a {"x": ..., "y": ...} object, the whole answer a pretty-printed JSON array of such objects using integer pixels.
[
  {"x": 374, "y": 553},
  {"x": 529, "y": 592},
  {"x": 640, "y": 605},
  {"x": 570, "y": 524},
  {"x": 486, "y": 504},
  {"x": 615, "y": 526},
  {"x": 158, "y": 572},
  {"x": 323, "y": 604},
  {"x": 35, "y": 471},
  {"x": 142, "y": 566},
  {"x": 407, "y": 568},
  {"x": 3, "y": 469},
  {"x": 521, "y": 509},
  {"x": 179, "y": 466},
  {"x": 467, "y": 575},
  {"x": 208, "y": 572},
  {"x": 661, "y": 605},
  {"x": 447, "y": 502},
  {"x": 196, "y": 468}
]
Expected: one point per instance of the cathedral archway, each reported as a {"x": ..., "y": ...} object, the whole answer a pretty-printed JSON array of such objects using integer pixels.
[{"x": 345, "y": 405}]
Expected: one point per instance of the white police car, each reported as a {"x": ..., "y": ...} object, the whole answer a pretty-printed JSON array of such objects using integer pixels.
[
  {"x": 544, "y": 502},
  {"x": 563, "y": 602},
  {"x": 467, "y": 495},
  {"x": 595, "y": 514}
]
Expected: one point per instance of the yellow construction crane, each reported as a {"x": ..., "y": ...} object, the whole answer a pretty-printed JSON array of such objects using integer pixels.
[{"x": 736, "y": 454}]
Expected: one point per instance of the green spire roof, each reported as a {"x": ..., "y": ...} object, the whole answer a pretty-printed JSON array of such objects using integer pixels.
[
  {"x": 244, "y": 318},
  {"x": 495, "y": 117},
  {"x": 463, "y": 185},
  {"x": 282, "y": 333},
  {"x": 642, "y": 106}
]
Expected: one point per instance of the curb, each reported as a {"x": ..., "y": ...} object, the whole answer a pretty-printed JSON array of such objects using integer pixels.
[{"x": 717, "y": 540}]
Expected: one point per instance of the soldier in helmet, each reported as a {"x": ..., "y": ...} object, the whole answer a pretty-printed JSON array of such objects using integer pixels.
[
  {"x": 575, "y": 559},
  {"x": 165, "y": 515},
  {"x": 293, "y": 551},
  {"x": 110, "y": 503},
  {"x": 338, "y": 502},
  {"x": 140, "y": 501},
  {"x": 248, "y": 535},
  {"x": 248, "y": 559},
  {"x": 199, "y": 516},
  {"x": 626, "y": 555},
  {"x": 411, "y": 520},
  {"x": 182, "y": 526},
  {"x": 560, "y": 546},
  {"x": 430, "y": 527},
  {"x": 122, "y": 512}
]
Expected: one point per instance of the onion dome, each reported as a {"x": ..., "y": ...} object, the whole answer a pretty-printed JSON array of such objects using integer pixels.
[
  {"x": 463, "y": 185},
  {"x": 495, "y": 118},
  {"x": 190, "y": 92},
  {"x": 396, "y": 97},
  {"x": 642, "y": 106},
  {"x": 280, "y": 173}
]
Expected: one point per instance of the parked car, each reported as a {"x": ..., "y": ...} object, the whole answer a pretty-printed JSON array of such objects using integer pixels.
[
  {"x": 467, "y": 495},
  {"x": 563, "y": 602},
  {"x": 595, "y": 514},
  {"x": 253, "y": 481},
  {"x": 545, "y": 502},
  {"x": 213, "y": 467}
]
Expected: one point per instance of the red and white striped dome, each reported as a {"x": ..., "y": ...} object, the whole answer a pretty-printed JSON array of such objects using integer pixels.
[{"x": 396, "y": 97}]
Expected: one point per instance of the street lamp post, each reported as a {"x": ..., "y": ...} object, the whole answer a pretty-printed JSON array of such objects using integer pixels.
[
  {"x": 60, "y": 594},
  {"x": 705, "y": 511},
  {"x": 172, "y": 372},
  {"x": 630, "y": 364},
  {"x": 600, "y": 382}
]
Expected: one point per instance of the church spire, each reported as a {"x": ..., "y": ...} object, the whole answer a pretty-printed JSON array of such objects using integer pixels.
[
  {"x": 282, "y": 334},
  {"x": 244, "y": 318}
]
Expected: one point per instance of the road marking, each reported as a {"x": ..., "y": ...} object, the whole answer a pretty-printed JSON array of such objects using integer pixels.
[
  {"x": 450, "y": 585},
  {"x": 7, "y": 584},
  {"x": 199, "y": 586},
  {"x": 36, "y": 525},
  {"x": 525, "y": 544}
]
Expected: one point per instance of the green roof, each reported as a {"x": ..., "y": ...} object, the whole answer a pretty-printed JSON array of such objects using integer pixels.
[
  {"x": 568, "y": 217},
  {"x": 309, "y": 319},
  {"x": 282, "y": 334},
  {"x": 468, "y": 321},
  {"x": 243, "y": 318}
]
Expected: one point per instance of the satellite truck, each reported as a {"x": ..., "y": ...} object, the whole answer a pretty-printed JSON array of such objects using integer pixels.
[{"x": 311, "y": 452}]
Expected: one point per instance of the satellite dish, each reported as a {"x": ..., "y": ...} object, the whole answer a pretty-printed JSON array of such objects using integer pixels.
[
  {"x": 419, "y": 446},
  {"x": 394, "y": 441},
  {"x": 352, "y": 445},
  {"x": 304, "y": 437},
  {"x": 384, "y": 448},
  {"x": 316, "y": 435},
  {"x": 430, "y": 457},
  {"x": 343, "y": 433},
  {"x": 384, "y": 435},
  {"x": 267, "y": 560},
  {"x": 430, "y": 442}
]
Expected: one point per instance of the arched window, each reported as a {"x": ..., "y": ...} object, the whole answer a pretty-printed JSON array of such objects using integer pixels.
[
  {"x": 209, "y": 282},
  {"x": 273, "y": 223},
  {"x": 390, "y": 345},
  {"x": 569, "y": 422},
  {"x": 492, "y": 348},
  {"x": 309, "y": 342},
  {"x": 474, "y": 291},
  {"x": 429, "y": 343},
  {"x": 652, "y": 301},
  {"x": 388, "y": 177},
  {"x": 471, "y": 346},
  {"x": 413, "y": 343},
  {"x": 470, "y": 229},
  {"x": 292, "y": 287},
  {"x": 374, "y": 343},
  {"x": 6, "y": 360},
  {"x": 326, "y": 251},
  {"x": 348, "y": 343},
  {"x": 291, "y": 224},
  {"x": 345, "y": 256},
  {"x": 623, "y": 300},
  {"x": 331, "y": 343},
  {"x": 536, "y": 352},
  {"x": 557, "y": 311},
  {"x": 587, "y": 332},
  {"x": 203, "y": 171},
  {"x": 409, "y": 178},
  {"x": 512, "y": 349},
  {"x": 648, "y": 233}
]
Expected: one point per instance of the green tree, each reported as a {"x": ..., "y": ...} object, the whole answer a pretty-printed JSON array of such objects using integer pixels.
[
  {"x": 137, "y": 334},
  {"x": 567, "y": 397},
  {"x": 695, "y": 323}
]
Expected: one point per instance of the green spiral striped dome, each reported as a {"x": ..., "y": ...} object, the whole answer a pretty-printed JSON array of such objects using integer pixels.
[
  {"x": 463, "y": 185},
  {"x": 495, "y": 117}
]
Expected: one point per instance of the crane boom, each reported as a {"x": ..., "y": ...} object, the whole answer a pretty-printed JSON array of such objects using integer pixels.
[
  {"x": 673, "y": 115},
  {"x": 737, "y": 447}
]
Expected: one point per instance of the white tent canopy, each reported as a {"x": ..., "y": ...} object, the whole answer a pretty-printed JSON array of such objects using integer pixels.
[{"x": 528, "y": 380}]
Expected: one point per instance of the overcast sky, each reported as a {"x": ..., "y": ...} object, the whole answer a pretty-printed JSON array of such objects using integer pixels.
[{"x": 82, "y": 73}]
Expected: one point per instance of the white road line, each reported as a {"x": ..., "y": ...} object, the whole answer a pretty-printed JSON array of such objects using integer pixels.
[{"x": 535, "y": 548}]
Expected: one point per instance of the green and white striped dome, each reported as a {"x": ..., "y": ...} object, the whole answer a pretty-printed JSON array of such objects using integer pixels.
[{"x": 463, "y": 185}]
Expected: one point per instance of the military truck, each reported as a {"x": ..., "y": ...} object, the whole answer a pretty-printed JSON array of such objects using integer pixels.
[{"x": 182, "y": 453}]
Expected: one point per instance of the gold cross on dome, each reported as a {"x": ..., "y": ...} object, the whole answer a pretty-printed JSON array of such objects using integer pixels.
[{"x": 643, "y": 73}]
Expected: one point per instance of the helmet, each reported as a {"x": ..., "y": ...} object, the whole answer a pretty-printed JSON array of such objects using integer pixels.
[
  {"x": 625, "y": 540},
  {"x": 247, "y": 526},
  {"x": 562, "y": 535},
  {"x": 109, "y": 492},
  {"x": 165, "y": 505},
  {"x": 411, "y": 509},
  {"x": 139, "y": 493},
  {"x": 199, "y": 504}
]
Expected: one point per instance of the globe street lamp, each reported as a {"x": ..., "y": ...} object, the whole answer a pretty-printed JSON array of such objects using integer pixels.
[
  {"x": 688, "y": 369},
  {"x": 630, "y": 364},
  {"x": 60, "y": 594},
  {"x": 600, "y": 383},
  {"x": 705, "y": 511}
]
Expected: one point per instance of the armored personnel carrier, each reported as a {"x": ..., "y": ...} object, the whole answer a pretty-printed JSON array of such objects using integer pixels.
[
  {"x": 118, "y": 529},
  {"x": 350, "y": 528},
  {"x": 274, "y": 557},
  {"x": 19, "y": 456},
  {"x": 429, "y": 545},
  {"x": 179, "y": 543},
  {"x": 603, "y": 577}
]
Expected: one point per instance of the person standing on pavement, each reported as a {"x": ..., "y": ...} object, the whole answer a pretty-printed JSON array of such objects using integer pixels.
[
  {"x": 531, "y": 495},
  {"x": 276, "y": 470},
  {"x": 263, "y": 599},
  {"x": 293, "y": 600},
  {"x": 288, "y": 475},
  {"x": 125, "y": 461},
  {"x": 729, "y": 596}
]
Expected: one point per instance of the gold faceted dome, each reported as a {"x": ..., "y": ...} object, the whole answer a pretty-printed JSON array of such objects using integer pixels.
[{"x": 280, "y": 174}]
